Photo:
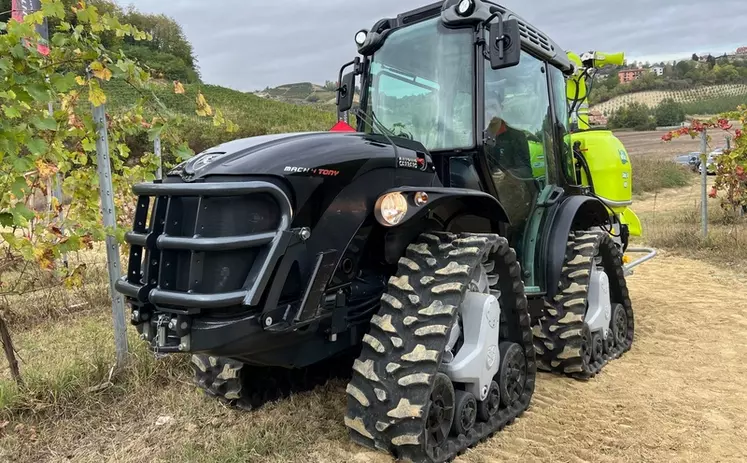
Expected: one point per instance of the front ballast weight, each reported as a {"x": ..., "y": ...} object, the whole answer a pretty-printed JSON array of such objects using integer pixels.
[{"x": 448, "y": 359}]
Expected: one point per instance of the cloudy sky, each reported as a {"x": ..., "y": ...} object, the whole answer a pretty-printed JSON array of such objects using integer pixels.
[{"x": 251, "y": 44}]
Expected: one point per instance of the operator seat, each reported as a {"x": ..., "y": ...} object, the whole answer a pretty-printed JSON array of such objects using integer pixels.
[{"x": 463, "y": 174}]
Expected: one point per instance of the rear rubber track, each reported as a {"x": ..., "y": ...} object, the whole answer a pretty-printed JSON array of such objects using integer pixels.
[
  {"x": 559, "y": 338},
  {"x": 249, "y": 387},
  {"x": 388, "y": 396}
]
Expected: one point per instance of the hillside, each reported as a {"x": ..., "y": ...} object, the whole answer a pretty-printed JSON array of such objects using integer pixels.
[
  {"x": 321, "y": 97},
  {"x": 696, "y": 100},
  {"x": 253, "y": 115},
  {"x": 300, "y": 93}
]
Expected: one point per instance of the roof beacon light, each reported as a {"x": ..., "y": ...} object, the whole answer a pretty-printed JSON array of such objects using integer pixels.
[
  {"x": 360, "y": 37},
  {"x": 465, "y": 7}
]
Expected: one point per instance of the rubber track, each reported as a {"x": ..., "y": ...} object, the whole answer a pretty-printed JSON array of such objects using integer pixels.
[
  {"x": 558, "y": 335},
  {"x": 249, "y": 387},
  {"x": 393, "y": 378}
]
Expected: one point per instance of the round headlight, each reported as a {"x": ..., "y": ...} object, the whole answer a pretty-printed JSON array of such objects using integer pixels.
[
  {"x": 360, "y": 37},
  {"x": 391, "y": 209},
  {"x": 465, "y": 7}
]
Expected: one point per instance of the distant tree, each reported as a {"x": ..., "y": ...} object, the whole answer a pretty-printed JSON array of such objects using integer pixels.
[
  {"x": 726, "y": 74},
  {"x": 635, "y": 116},
  {"x": 669, "y": 112},
  {"x": 696, "y": 57},
  {"x": 683, "y": 67},
  {"x": 711, "y": 61},
  {"x": 168, "y": 36}
]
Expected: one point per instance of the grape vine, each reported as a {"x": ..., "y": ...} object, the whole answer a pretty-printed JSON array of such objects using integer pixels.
[{"x": 37, "y": 146}]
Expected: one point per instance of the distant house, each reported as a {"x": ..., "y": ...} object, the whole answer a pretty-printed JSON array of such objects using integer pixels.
[
  {"x": 628, "y": 75},
  {"x": 658, "y": 70}
]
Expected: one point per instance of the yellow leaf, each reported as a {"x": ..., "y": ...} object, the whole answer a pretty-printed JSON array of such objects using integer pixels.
[
  {"x": 45, "y": 169},
  {"x": 218, "y": 119},
  {"x": 96, "y": 66},
  {"x": 75, "y": 280},
  {"x": 178, "y": 87},
  {"x": 104, "y": 74},
  {"x": 95, "y": 95},
  {"x": 203, "y": 108},
  {"x": 80, "y": 80}
]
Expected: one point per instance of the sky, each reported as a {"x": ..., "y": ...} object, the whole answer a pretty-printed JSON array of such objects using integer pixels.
[{"x": 248, "y": 45}]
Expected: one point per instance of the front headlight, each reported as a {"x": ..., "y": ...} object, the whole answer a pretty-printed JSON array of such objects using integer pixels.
[{"x": 391, "y": 209}]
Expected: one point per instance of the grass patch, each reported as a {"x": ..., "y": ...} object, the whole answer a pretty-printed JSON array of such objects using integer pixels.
[
  {"x": 651, "y": 175},
  {"x": 67, "y": 365},
  {"x": 679, "y": 231}
]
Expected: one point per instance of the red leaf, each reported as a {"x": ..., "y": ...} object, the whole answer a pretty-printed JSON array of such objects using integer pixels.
[{"x": 713, "y": 192}]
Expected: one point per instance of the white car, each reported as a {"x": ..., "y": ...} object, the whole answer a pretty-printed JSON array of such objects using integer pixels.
[{"x": 711, "y": 162}]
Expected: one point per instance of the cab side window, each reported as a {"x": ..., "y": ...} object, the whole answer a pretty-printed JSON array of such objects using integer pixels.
[
  {"x": 518, "y": 133},
  {"x": 561, "y": 112},
  {"x": 518, "y": 118}
]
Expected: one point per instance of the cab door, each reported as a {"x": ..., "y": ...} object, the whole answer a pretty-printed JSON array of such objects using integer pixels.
[{"x": 519, "y": 150}]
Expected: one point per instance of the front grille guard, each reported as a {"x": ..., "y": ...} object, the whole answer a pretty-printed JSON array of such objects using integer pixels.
[{"x": 155, "y": 240}]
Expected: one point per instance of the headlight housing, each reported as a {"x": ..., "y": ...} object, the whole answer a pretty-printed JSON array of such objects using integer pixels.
[{"x": 391, "y": 208}]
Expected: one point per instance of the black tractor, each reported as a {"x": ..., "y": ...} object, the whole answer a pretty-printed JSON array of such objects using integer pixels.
[{"x": 413, "y": 255}]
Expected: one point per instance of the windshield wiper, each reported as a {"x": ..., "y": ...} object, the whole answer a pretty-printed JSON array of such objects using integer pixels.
[{"x": 375, "y": 122}]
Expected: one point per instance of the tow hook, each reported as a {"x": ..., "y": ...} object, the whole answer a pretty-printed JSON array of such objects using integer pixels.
[{"x": 162, "y": 323}]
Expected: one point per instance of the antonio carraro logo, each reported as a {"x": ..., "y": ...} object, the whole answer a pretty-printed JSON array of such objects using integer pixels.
[
  {"x": 411, "y": 163},
  {"x": 312, "y": 171}
]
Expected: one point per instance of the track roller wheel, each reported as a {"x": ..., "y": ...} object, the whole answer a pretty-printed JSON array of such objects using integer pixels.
[
  {"x": 562, "y": 339},
  {"x": 512, "y": 373},
  {"x": 465, "y": 415},
  {"x": 487, "y": 408},
  {"x": 398, "y": 399},
  {"x": 440, "y": 412},
  {"x": 620, "y": 326}
]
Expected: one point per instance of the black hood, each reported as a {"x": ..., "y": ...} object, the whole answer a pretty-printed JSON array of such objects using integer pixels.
[{"x": 309, "y": 154}]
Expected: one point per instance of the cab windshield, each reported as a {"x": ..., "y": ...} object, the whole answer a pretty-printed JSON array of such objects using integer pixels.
[{"x": 421, "y": 86}]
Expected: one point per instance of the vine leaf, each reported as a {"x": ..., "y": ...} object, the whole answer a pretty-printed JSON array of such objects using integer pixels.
[
  {"x": 37, "y": 146},
  {"x": 96, "y": 96}
]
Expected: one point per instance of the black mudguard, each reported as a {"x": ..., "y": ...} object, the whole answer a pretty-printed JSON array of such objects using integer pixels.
[
  {"x": 574, "y": 213},
  {"x": 445, "y": 205}
]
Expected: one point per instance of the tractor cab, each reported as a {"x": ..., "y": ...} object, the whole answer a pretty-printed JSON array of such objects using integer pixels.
[{"x": 483, "y": 91}]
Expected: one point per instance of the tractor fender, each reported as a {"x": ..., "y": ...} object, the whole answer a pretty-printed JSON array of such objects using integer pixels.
[
  {"x": 574, "y": 213},
  {"x": 445, "y": 209}
]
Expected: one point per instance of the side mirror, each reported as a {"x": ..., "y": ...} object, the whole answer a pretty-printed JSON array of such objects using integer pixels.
[
  {"x": 346, "y": 93},
  {"x": 505, "y": 44}
]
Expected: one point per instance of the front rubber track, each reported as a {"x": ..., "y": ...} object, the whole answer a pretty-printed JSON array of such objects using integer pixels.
[
  {"x": 393, "y": 378},
  {"x": 250, "y": 387},
  {"x": 558, "y": 334}
]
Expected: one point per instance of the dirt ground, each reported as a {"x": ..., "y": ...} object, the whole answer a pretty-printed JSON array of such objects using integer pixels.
[
  {"x": 677, "y": 396},
  {"x": 650, "y": 144}
]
